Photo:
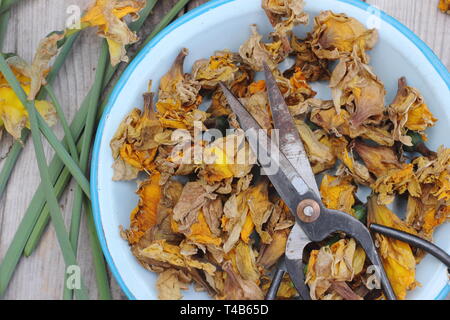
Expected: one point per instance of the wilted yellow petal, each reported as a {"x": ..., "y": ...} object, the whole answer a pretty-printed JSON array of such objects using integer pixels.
[
  {"x": 143, "y": 216},
  {"x": 247, "y": 229},
  {"x": 13, "y": 113},
  {"x": 398, "y": 259},
  {"x": 335, "y": 35},
  {"x": 444, "y": 6},
  {"x": 257, "y": 198},
  {"x": 379, "y": 160},
  {"x": 169, "y": 284},
  {"x": 48, "y": 48},
  {"x": 353, "y": 84},
  {"x": 201, "y": 233},
  {"x": 409, "y": 111},
  {"x": 396, "y": 180},
  {"x": 108, "y": 16},
  {"x": 162, "y": 251},
  {"x": 220, "y": 67},
  {"x": 246, "y": 262},
  {"x": 319, "y": 153},
  {"x": 338, "y": 193}
]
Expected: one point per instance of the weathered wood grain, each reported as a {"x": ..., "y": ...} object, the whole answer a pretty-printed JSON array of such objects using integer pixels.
[
  {"x": 40, "y": 276},
  {"x": 424, "y": 19}
]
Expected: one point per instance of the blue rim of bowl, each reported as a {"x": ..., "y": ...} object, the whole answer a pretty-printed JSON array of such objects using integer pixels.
[{"x": 427, "y": 52}]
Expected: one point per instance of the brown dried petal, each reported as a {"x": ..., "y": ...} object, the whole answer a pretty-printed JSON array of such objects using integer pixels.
[
  {"x": 379, "y": 160},
  {"x": 170, "y": 283},
  {"x": 335, "y": 35},
  {"x": 353, "y": 84},
  {"x": 319, "y": 154},
  {"x": 254, "y": 52},
  {"x": 408, "y": 111},
  {"x": 246, "y": 262},
  {"x": 47, "y": 49},
  {"x": 272, "y": 252},
  {"x": 220, "y": 67},
  {"x": 312, "y": 67},
  {"x": 236, "y": 288},
  {"x": 193, "y": 197}
]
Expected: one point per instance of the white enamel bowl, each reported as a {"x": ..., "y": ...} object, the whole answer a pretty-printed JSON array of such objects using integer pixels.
[{"x": 224, "y": 24}]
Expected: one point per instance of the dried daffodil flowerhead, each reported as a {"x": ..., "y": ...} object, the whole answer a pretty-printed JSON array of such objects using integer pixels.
[
  {"x": 220, "y": 67},
  {"x": 398, "y": 259},
  {"x": 444, "y": 6},
  {"x": 425, "y": 213},
  {"x": 336, "y": 35},
  {"x": 108, "y": 16},
  {"x": 254, "y": 51},
  {"x": 432, "y": 208},
  {"x": 284, "y": 15},
  {"x": 397, "y": 181},
  {"x": 177, "y": 91},
  {"x": 338, "y": 193},
  {"x": 334, "y": 264},
  {"x": 408, "y": 111},
  {"x": 354, "y": 85},
  {"x": 239, "y": 86},
  {"x": 143, "y": 216},
  {"x": 436, "y": 172},
  {"x": 134, "y": 146},
  {"x": 225, "y": 158},
  {"x": 326, "y": 116},
  {"x": 343, "y": 151},
  {"x": 378, "y": 159},
  {"x": 48, "y": 48},
  {"x": 312, "y": 67},
  {"x": 13, "y": 114},
  {"x": 295, "y": 88}
]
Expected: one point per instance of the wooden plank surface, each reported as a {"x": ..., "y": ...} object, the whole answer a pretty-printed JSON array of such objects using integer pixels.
[{"x": 41, "y": 275}]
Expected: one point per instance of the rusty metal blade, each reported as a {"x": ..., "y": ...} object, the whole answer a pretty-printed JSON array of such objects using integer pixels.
[
  {"x": 289, "y": 184},
  {"x": 290, "y": 142},
  {"x": 290, "y": 194}
]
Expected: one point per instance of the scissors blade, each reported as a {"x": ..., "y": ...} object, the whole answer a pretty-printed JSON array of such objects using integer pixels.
[
  {"x": 290, "y": 143},
  {"x": 289, "y": 185},
  {"x": 286, "y": 180}
]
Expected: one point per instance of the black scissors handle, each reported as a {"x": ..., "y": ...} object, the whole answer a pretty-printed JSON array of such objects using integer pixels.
[
  {"x": 413, "y": 240},
  {"x": 275, "y": 285}
]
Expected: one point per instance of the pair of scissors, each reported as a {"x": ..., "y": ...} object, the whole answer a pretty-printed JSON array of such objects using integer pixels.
[{"x": 295, "y": 183}]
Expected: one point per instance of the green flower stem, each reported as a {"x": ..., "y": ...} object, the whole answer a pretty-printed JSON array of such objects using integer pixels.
[
  {"x": 80, "y": 116},
  {"x": 28, "y": 222},
  {"x": 44, "y": 218},
  {"x": 4, "y": 20},
  {"x": 68, "y": 137},
  {"x": 10, "y": 162},
  {"x": 62, "y": 153},
  {"x": 85, "y": 148},
  {"x": 32, "y": 214},
  {"x": 16, "y": 149},
  {"x": 55, "y": 212},
  {"x": 7, "y": 4},
  {"x": 104, "y": 292}
]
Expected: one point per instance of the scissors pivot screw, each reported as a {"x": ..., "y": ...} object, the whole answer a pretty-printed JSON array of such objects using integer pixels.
[{"x": 308, "y": 210}]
